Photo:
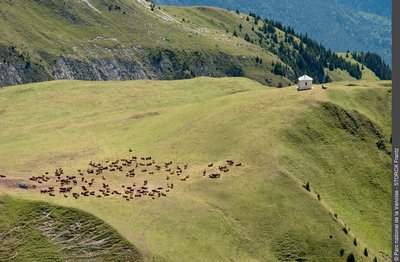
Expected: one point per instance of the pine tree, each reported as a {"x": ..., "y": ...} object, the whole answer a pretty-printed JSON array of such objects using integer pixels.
[
  {"x": 327, "y": 79},
  {"x": 275, "y": 38}
]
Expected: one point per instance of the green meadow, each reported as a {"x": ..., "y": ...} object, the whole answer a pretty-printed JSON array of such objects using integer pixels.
[{"x": 337, "y": 140}]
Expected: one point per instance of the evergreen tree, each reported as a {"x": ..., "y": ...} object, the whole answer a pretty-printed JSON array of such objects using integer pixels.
[
  {"x": 275, "y": 38},
  {"x": 375, "y": 63},
  {"x": 327, "y": 79}
]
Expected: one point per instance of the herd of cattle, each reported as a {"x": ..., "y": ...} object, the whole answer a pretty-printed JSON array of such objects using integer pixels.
[{"x": 98, "y": 179}]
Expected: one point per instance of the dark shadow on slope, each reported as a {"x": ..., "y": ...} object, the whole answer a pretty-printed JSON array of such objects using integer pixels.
[
  {"x": 358, "y": 125},
  {"x": 37, "y": 231},
  {"x": 344, "y": 156}
]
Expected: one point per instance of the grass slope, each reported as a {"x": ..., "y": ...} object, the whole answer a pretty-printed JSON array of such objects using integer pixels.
[
  {"x": 43, "y": 31},
  {"x": 260, "y": 212},
  {"x": 37, "y": 231},
  {"x": 222, "y": 21},
  {"x": 52, "y": 39},
  {"x": 334, "y": 147},
  {"x": 367, "y": 23}
]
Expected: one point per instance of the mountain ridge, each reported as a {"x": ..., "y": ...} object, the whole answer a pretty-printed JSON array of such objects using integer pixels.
[
  {"x": 360, "y": 25},
  {"x": 126, "y": 40}
]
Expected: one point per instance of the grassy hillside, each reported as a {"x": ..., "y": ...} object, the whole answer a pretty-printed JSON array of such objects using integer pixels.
[
  {"x": 60, "y": 40},
  {"x": 356, "y": 25},
  {"x": 37, "y": 231},
  {"x": 328, "y": 148},
  {"x": 273, "y": 38},
  {"x": 367, "y": 73},
  {"x": 257, "y": 212},
  {"x": 125, "y": 40}
]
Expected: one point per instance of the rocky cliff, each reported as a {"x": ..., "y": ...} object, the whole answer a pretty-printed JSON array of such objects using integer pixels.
[{"x": 17, "y": 68}]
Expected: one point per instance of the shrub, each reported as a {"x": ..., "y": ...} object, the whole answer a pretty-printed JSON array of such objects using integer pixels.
[
  {"x": 307, "y": 187},
  {"x": 351, "y": 258},
  {"x": 381, "y": 144}
]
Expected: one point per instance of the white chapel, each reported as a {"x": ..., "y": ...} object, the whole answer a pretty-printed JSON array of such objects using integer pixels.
[{"x": 305, "y": 83}]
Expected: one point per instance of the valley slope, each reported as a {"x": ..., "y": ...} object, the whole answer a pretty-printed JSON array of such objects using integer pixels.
[
  {"x": 356, "y": 25},
  {"x": 336, "y": 140},
  {"x": 125, "y": 40}
]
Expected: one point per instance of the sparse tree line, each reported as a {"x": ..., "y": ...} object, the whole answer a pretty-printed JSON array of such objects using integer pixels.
[
  {"x": 152, "y": 5},
  {"x": 350, "y": 257},
  {"x": 375, "y": 63},
  {"x": 302, "y": 55}
]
